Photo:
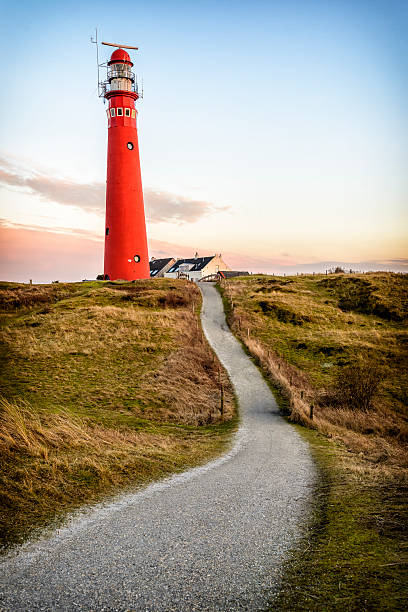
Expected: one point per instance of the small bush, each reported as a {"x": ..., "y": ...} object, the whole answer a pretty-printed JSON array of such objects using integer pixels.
[
  {"x": 175, "y": 299},
  {"x": 356, "y": 386}
]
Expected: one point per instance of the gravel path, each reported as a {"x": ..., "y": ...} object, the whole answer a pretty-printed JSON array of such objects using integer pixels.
[{"x": 213, "y": 538}]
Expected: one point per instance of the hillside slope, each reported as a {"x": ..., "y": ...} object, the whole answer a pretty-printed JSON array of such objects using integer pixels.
[
  {"x": 104, "y": 385},
  {"x": 307, "y": 331},
  {"x": 339, "y": 344}
]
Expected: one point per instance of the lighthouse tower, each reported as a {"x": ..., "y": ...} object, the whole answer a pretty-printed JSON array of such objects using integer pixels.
[{"x": 126, "y": 255}]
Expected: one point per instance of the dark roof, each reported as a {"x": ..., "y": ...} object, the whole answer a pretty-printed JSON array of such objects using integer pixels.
[
  {"x": 199, "y": 263},
  {"x": 232, "y": 273},
  {"x": 158, "y": 264}
]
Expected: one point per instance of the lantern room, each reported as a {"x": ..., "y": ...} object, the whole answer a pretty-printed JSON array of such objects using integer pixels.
[{"x": 120, "y": 76}]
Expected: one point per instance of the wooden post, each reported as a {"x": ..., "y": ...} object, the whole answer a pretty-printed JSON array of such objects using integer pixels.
[
  {"x": 248, "y": 332},
  {"x": 311, "y": 412},
  {"x": 221, "y": 392},
  {"x": 301, "y": 395},
  {"x": 31, "y": 281}
]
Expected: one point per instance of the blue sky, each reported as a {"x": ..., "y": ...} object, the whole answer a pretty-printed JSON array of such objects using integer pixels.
[{"x": 274, "y": 132}]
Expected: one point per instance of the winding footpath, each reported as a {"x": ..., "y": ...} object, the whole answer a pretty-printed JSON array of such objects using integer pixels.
[{"x": 213, "y": 538}]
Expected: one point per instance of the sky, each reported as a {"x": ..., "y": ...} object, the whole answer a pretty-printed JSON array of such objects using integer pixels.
[{"x": 271, "y": 132}]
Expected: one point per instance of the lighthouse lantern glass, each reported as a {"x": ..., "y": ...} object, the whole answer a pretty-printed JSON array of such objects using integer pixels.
[
  {"x": 120, "y": 77},
  {"x": 120, "y": 71}
]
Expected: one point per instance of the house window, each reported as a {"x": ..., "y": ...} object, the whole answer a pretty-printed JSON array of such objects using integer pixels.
[
  {"x": 127, "y": 112},
  {"x": 107, "y": 112},
  {"x": 107, "y": 231},
  {"x": 112, "y": 112},
  {"x": 133, "y": 113},
  {"x": 120, "y": 112}
]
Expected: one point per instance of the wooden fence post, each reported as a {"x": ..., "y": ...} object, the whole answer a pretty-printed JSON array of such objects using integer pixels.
[{"x": 221, "y": 392}]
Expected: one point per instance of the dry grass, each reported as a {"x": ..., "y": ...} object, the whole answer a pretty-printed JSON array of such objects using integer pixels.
[
  {"x": 109, "y": 385},
  {"x": 306, "y": 331},
  {"x": 308, "y": 334}
]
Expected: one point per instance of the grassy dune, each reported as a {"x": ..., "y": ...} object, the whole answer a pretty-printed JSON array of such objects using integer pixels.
[
  {"x": 316, "y": 337},
  {"x": 104, "y": 386},
  {"x": 307, "y": 330}
]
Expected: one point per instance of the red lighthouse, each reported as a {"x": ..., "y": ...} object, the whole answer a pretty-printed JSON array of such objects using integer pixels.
[{"x": 126, "y": 255}]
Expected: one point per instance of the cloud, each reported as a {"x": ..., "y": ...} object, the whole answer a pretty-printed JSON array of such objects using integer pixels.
[
  {"x": 90, "y": 197},
  {"x": 69, "y": 231},
  {"x": 161, "y": 206}
]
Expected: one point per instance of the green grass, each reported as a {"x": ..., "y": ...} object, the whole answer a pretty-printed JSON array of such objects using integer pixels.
[
  {"x": 354, "y": 557},
  {"x": 105, "y": 386},
  {"x": 302, "y": 332},
  {"x": 312, "y": 327},
  {"x": 304, "y": 323}
]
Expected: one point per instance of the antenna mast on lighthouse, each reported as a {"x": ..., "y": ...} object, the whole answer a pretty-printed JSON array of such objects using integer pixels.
[
  {"x": 126, "y": 254},
  {"x": 104, "y": 65}
]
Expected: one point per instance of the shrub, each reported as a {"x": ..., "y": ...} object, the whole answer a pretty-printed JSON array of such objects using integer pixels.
[
  {"x": 356, "y": 385},
  {"x": 175, "y": 299}
]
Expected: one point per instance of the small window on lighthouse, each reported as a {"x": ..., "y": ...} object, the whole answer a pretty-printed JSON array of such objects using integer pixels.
[
  {"x": 136, "y": 258},
  {"x": 112, "y": 110},
  {"x": 120, "y": 112},
  {"x": 107, "y": 231},
  {"x": 133, "y": 113},
  {"x": 130, "y": 145},
  {"x": 127, "y": 112}
]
